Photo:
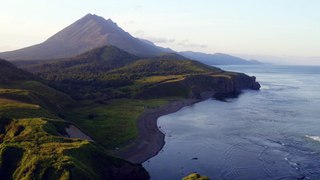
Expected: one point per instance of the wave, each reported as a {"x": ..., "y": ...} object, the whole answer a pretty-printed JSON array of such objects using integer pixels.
[{"x": 315, "y": 138}]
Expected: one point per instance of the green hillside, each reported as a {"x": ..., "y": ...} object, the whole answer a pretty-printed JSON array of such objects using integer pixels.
[
  {"x": 108, "y": 72},
  {"x": 108, "y": 80},
  {"x": 33, "y": 136},
  {"x": 103, "y": 92}
]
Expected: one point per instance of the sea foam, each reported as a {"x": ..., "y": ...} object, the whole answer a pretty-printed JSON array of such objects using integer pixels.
[{"x": 316, "y": 138}]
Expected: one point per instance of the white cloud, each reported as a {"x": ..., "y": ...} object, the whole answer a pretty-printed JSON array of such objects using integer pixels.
[
  {"x": 187, "y": 44},
  {"x": 158, "y": 40}
]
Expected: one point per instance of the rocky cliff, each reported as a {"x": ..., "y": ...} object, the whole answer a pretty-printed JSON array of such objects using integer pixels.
[{"x": 193, "y": 86}]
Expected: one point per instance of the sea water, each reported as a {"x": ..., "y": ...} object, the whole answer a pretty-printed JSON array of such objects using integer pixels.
[{"x": 273, "y": 133}]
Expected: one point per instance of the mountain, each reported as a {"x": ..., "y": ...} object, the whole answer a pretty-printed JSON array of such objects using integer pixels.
[
  {"x": 217, "y": 58},
  {"x": 85, "y": 34}
]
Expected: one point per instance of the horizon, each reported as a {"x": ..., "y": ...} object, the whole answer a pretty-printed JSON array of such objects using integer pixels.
[{"x": 288, "y": 34}]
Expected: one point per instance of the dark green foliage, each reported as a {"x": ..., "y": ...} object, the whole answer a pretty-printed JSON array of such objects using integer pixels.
[
  {"x": 8, "y": 73},
  {"x": 174, "y": 89},
  {"x": 108, "y": 73},
  {"x": 92, "y": 62},
  {"x": 152, "y": 67}
]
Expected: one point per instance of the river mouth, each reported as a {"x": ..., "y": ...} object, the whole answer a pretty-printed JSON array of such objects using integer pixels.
[{"x": 270, "y": 134}]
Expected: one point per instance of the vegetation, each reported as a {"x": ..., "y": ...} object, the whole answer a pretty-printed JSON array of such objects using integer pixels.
[
  {"x": 112, "y": 124},
  {"x": 33, "y": 148},
  {"x": 108, "y": 73},
  {"x": 33, "y": 142},
  {"x": 195, "y": 176},
  {"x": 108, "y": 80},
  {"x": 6, "y": 74},
  {"x": 103, "y": 92}
]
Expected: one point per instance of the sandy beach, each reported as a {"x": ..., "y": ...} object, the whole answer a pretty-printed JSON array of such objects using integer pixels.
[{"x": 150, "y": 139}]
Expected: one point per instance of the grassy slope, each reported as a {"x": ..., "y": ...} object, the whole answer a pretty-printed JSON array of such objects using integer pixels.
[
  {"x": 114, "y": 123},
  {"x": 31, "y": 143}
]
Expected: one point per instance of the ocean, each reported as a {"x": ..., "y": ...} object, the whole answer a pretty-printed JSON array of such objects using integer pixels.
[{"x": 273, "y": 133}]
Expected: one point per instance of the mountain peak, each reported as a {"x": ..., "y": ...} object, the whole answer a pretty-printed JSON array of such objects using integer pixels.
[
  {"x": 87, "y": 33},
  {"x": 95, "y": 18},
  {"x": 92, "y": 16}
]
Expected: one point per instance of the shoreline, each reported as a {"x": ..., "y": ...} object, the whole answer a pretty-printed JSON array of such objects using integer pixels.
[{"x": 150, "y": 138}]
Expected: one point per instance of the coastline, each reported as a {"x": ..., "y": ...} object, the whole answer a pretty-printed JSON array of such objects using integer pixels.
[{"x": 150, "y": 139}]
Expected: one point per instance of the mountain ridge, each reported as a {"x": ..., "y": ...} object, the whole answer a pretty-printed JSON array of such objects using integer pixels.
[{"x": 109, "y": 72}]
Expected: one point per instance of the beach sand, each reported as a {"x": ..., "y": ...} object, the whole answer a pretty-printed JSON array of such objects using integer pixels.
[{"x": 150, "y": 139}]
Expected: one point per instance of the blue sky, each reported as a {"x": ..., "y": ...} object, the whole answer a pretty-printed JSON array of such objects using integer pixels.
[{"x": 281, "y": 31}]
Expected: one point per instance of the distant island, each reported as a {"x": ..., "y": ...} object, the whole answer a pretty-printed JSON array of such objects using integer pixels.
[{"x": 218, "y": 59}]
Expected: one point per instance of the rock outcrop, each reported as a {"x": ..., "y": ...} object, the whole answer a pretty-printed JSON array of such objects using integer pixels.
[
  {"x": 194, "y": 86},
  {"x": 222, "y": 86}
]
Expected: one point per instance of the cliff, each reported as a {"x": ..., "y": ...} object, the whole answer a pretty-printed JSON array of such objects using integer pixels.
[{"x": 221, "y": 85}]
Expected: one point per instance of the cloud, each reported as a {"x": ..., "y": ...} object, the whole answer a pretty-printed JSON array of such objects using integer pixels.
[
  {"x": 129, "y": 22},
  {"x": 161, "y": 40},
  {"x": 188, "y": 44},
  {"x": 169, "y": 41},
  {"x": 139, "y": 33}
]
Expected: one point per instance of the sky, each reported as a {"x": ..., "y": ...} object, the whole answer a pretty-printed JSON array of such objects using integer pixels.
[{"x": 276, "y": 31}]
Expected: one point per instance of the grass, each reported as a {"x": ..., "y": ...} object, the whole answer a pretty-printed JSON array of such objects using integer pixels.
[
  {"x": 45, "y": 100},
  {"x": 195, "y": 176},
  {"x": 16, "y": 109},
  {"x": 114, "y": 123},
  {"x": 42, "y": 154},
  {"x": 159, "y": 79},
  {"x": 27, "y": 150},
  {"x": 222, "y": 75},
  {"x": 31, "y": 141}
]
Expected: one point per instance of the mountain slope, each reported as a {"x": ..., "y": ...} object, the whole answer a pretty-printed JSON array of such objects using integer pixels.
[
  {"x": 88, "y": 78},
  {"x": 87, "y": 33},
  {"x": 97, "y": 60},
  {"x": 34, "y": 142},
  {"x": 9, "y": 72},
  {"x": 217, "y": 59}
]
